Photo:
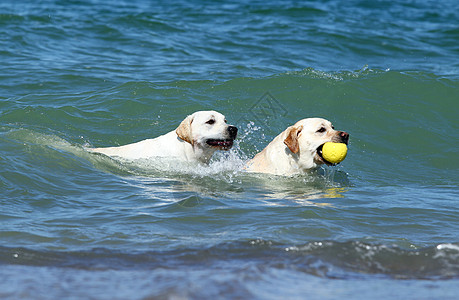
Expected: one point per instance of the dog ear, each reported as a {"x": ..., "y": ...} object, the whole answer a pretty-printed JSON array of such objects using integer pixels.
[
  {"x": 184, "y": 129},
  {"x": 292, "y": 138}
]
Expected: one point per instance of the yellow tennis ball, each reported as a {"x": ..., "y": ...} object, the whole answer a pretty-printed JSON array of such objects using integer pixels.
[{"x": 334, "y": 152}]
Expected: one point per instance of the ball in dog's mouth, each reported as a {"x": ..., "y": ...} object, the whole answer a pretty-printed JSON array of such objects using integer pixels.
[
  {"x": 222, "y": 144},
  {"x": 319, "y": 156},
  {"x": 333, "y": 154}
]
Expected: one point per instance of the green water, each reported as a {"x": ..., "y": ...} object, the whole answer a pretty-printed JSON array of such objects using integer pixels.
[{"x": 382, "y": 224}]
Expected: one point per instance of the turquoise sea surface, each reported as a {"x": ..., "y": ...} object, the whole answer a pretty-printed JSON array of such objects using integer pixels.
[{"x": 383, "y": 224}]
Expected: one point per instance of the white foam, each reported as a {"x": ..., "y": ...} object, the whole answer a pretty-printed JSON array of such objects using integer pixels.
[
  {"x": 448, "y": 247},
  {"x": 227, "y": 166}
]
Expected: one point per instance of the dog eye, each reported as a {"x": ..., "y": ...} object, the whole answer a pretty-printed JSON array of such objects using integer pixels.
[
  {"x": 226, "y": 121},
  {"x": 210, "y": 122},
  {"x": 322, "y": 129}
]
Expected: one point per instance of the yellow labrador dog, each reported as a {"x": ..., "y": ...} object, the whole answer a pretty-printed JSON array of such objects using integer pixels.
[
  {"x": 196, "y": 139},
  {"x": 297, "y": 149}
]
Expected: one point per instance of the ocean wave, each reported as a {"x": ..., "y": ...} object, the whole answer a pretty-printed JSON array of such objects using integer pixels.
[
  {"x": 387, "y": 113},
  {"x": 330, "y": 259},
  {"x": 98, "y": 73}
]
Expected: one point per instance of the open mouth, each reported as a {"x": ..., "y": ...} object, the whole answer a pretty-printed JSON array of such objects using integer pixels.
[
  {"x": 222, "y": 144},
  {"x": 320, "y": 158}
]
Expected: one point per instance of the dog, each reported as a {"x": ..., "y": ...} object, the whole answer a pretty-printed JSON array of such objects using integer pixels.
[
  {"x": 197, "y": 137},
  {"x": 298, "y": 149}
]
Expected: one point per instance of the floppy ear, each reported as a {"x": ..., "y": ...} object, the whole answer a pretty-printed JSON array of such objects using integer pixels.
[
  {"x": 292, "y": 138},
  {"x": 184, "y": 129}
]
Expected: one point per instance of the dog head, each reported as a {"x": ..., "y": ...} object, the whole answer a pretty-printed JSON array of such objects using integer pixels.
[
  {"x": 208, "y": 130},
  {"x": 306, "y": 138}
]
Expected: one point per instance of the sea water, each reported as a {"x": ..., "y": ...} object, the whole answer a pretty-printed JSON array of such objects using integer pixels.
[{"x": 382, "y": 224}]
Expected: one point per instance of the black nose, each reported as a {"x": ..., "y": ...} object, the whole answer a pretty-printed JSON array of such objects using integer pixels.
[
  {"x": 232, "y": 132},
  {"x": 344, "y": 136}
]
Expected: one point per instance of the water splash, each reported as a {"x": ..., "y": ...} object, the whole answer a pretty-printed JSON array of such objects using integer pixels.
[{"x": 169, "y": 180}]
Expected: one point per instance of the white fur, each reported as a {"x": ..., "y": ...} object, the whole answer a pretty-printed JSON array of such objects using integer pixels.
[
  {"x": 187, "y": 143},
  {"x": 294, "y": 150}
]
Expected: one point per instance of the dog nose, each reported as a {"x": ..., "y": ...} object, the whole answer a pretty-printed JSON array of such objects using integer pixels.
[
  {"x": 232, "y": 132},
  {"x": 344, "y": 136}
]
